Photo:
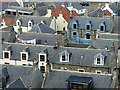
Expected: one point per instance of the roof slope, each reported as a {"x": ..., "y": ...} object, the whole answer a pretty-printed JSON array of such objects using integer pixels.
[
  {"x": 62, "y": 10},
  {"x": 57, "y": 79}
]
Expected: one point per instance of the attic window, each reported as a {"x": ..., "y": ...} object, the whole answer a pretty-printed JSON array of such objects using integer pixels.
[
  {"x": 24, "y": 55},
  {"x": 42, "y": 69},
  {"x": 99, "y": 59},
  {"x": 74, "y": 26},
  {"x": 64, "y": 57},
  {"x": 6, "y": 54},
  {"x": 42, "y": 57},
  {"x": 88, "y": 27}
]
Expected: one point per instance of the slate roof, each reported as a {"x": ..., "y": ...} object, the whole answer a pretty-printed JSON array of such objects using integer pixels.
[
  {"x": 35, "y": 19},
  {"x": 62, "y": 10},
  {"x": 50, "y": 38},
  {"x": 42, "y": 28},
  {"x": 20, "y": 77},
  {"x": 109, "y": 36},
  {"x": 57, "y": 79},
  {"x": 103, "y": 43},
  {"x": 4, "y": 72},
  {"x": 53, "y": 54},
  {"x": 77, "y": 5},
  {"x": 96, "y": 13},
  {"x": 17, "y": 84},
  {"x": 5, "y": 35},
  {"x": 95, "y": 22}
]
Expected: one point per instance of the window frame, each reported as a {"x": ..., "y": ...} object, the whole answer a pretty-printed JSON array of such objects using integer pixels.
[
  {"x": 101, "y": 59},
  {"x": 66, "y": 56},
  {"x": 42, "y": 69},
  {"x": 30, "y": 23},
  {"x": 18, "y": 21},
  {"x": 86, "y": 35},
  {"x": 44, "y": 57},
  {"x": 74, "y": 36},
  {"x": 26, "y": 56},
  {"x": 8, "y": 55}
]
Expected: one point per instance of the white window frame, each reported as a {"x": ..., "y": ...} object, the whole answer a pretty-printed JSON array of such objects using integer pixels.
[
  {"x": 66, "y": 56},
  {"x": 44, "y": 55},
  {"x": 26, "y": 55},
  {"x": 18, "y": 21},
  {"x": 30, "y": 22},
  {"x": 101, "y": 59},
  {"x": 4, "y": 54}
]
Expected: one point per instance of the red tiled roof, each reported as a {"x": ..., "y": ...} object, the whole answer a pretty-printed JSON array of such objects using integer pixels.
[
  {"x": 62, "y": 10},
  {"x": 9, "y": 21}
]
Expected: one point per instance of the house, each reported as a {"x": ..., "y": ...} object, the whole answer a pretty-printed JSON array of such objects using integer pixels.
[
  {"x": 84, "y": 60},
  {"x": 27, "y": 22},
  {"x": 84, "y": 29},
  {"x": 42, "y": 28},
  {"x": 76, "y": 7},
  {"x": 20, "y": 77},
  {"x": 61, "y": 18},
  {"x": 75, "y": 80},
  {"x": 110, "y": 9}
]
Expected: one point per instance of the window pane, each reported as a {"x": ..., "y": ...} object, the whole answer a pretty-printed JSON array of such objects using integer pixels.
[
  {"x": 42, "y": 57},
  {"x": 88, "y": 27},
  {"x": 102, "y": 28},
  {"x": 88, "y": 36},
  {"x": 74, "y": 26},
  {"x": 63, "y": 57},
  {"x": 6, "y": 55},
  {"x": 42, "y": 69},
  {"x": 98, "y": 60},
  {"x": 23, "y": 56}
]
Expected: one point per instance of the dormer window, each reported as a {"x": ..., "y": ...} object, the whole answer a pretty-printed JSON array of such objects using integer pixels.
[
  {"x": 64, "y": 56},
  {"x": 42, "y": 57},
  {"x": 30, "y": 24},
  {"x": 18, "y": 23},
  {"x": 6, "y": 54},
  {"x": 24, "y": 55},
  {"x": 74, "y": 26},
  {"x": 88, "y": 26},
  {"x": 99, "y": 59},
  {"x": 102, "y": 27}
]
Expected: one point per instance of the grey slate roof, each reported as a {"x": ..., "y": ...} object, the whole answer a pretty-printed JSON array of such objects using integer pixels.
[
  {"x": 35, "y": 19},
  {"x": 95, "y": 22},
  {"x": 42, "y": 28},
  {"x": 109, "y": 36},
  {"x": 17, "y": 84},
  {"x": 53, "y": 54},
  {"x": 27, "y": 75},
  {"x": 96, "y": 13},
  {"x": 5, "y": 35},
  {"x": 103, "y": 43},
  {"x": 5, "y": 72},
  {"x": 50, "y": 38},
  {"x": 57, "y": 79}
]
